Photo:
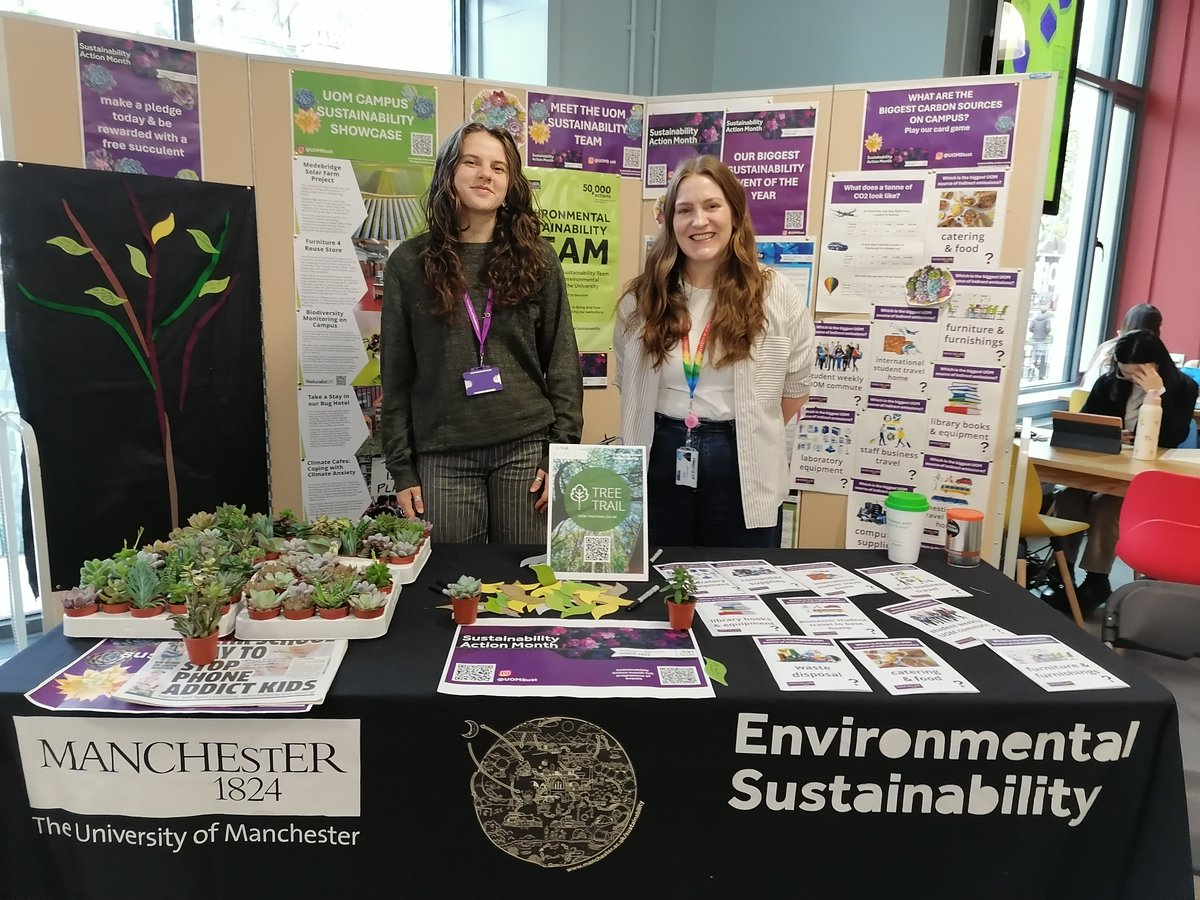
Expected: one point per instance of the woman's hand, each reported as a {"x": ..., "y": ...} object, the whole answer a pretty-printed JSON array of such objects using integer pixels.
[
  {"x": 540, "y": 483},
  {"x": 1147, "y": 378},
  {"x": 410, "y": 502}
]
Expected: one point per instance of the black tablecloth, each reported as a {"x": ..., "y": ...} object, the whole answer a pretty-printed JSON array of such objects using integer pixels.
[{"x": 692, "y": 835}]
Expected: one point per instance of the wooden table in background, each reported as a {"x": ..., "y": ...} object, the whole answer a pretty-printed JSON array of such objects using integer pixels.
[{"x": 1106, "y": 473}]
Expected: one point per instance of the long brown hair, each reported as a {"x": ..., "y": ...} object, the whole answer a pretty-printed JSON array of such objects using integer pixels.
[
  {"x": 516, "y": 261},
  {"x": 739, "y": 287}
]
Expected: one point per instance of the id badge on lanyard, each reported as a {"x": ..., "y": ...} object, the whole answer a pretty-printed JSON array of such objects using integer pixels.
[
  {"x": 687, "y": 457},
  {"x": 481, "y": 379}
]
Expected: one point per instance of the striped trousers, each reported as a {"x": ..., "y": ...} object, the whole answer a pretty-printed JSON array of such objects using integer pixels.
[{"x": 482, "y": 495}]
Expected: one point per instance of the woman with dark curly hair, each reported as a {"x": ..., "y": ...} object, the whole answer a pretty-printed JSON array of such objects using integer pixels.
[{"x": 479, "y": 365}]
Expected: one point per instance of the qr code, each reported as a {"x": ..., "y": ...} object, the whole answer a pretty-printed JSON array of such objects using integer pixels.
[
  {"x": 793, "y": 220},
  {"x": 420, "y": 144},
  {"x": 479, "y": 673},
  {"x": 339, "y": 380},
  {"x": 656, "y": 175},
  {"x": 995, "y": 146},
  {"x": 678, "y": 675},
  {"x": 631, "y": 158},
  {"x": 597, "y": 548}
]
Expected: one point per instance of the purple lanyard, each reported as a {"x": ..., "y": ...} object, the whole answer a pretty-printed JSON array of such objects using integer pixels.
[{"x": 481, "y": 333}]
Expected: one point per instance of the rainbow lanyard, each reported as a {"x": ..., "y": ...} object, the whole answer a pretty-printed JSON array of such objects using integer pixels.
[{"x": 691, "y": 372}]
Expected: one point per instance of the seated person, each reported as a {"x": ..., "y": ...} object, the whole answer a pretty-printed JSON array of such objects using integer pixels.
[
  {"x": 1140, "y": 366},
  {"x": 1143, "y": 315}
]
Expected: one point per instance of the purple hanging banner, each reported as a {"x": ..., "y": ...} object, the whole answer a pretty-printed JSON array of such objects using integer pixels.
[
  {"x": 585, "y": 133},
  {"x": 771, "y": 153},
  {"x": 956, "y": 127},
  {"x": 140, "y": 106},
  {"x": 675, "y": 136}
]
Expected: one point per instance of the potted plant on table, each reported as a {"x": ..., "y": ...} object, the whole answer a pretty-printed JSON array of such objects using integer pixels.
[
  {"x": 80, "y": 601},
  {"x": 681, "y": 605},
  {"x": 145, "y": 588},
  {"x": 297, "y": 601},
  {"x": 200, "y": 627},
  {"x": 379, "y": 576},
  {"x": 262, "y": 604},
  {"x": 367, "y": 602},
  {"x": 464, "y": 598},
  {"x": 330, "y": 597}
]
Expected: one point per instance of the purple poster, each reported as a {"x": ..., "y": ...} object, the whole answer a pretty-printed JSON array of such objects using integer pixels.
[
  {"x": 940, "y": 128},
  {"x": 140, "y": 105},
  {"x": 89, "y": 683},
  {"x": 574, "y": 659},
  {"x": 771, "y": 153},
  {"x": 674, "y": 137},
  {"x": 585, "y": 133}
]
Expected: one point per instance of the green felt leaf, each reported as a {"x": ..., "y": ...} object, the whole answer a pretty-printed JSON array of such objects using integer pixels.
[
  {"x": 581, "y": 610},
  {"x": 214, "y": 287},
  {"x": 556, "y": 601},
  {"x": 496, "y": 604},
  {"x": 105, "y": 296},
  {"x": 69, "y": 245},
  {"x": 137, "y": 259},
  {"x": 715, "y": 670},
  {"x": 545, "y": 574},
  {"x": 162, "y": 229},
  {"x": 202, "y": 240}
]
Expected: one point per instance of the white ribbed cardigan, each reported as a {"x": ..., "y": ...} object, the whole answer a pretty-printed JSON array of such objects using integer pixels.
[{"x": 780, "y": 366}]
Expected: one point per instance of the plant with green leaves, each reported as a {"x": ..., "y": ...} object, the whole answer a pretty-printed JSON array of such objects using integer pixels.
[
  {"x": 388, "y": 524},
  {"x": 203, "y": 616},
  {"x": 376, "y": 545},
  {"x": 298, "y": 596},
  {"x": 350, "y": 537},
  {"x": 377, "y": 574},
  {"x": 403, "y": 548},
  {"x": 367, "y": 600},
  {"x": 80, "y": 597},
  {"x": 288, "y": 525},
  {"x": 262, "y": 525},
  {"x": 144, "y": 585},
  {"x": 263, "y": 601},
  {"x": 231, "y": 518},
  {"x": 334, "y": 593},
  {"x": 96, "y": 573},
  {"x": 327, "y": 526},
  {"x": 463, "y": 589},
  {"x": 680, "y": 586}
]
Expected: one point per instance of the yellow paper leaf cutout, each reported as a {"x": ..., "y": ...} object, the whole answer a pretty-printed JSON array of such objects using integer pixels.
[{"x": 162, "y": 229}]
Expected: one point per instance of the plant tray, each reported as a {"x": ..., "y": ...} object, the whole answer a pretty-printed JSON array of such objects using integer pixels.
[
  {"x": 123, "y": 625},
  {"x": 405, "y": 574},
  {"x": 316, "y": 628}
]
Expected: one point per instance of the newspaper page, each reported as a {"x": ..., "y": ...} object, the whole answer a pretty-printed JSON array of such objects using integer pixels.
[{"x": 245, "y": 673}]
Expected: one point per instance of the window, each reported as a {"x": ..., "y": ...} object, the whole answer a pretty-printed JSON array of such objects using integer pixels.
[
  {"x": 1077, "y": 253},
  {"x": 154, "y": 18},
  {"x": 412, "y": 35}
]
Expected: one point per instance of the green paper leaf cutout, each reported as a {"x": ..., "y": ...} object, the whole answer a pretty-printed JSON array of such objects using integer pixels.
[
  {"x": 105, "y": 296},
  {"x": 69, "y": 245},
  {"x": 556, "y": 601},
  {"x": 495, "y": 604},
  {"x": 715, "y": 670},
  {"x": 137, "y": 259},
  {"x": 162, "y": 229},
  {"x": 581, "y": 610},
  {"x": 545, "y": 574},
  {"x": 214, "y": 287},
  {"x": 202, "y": 240}
]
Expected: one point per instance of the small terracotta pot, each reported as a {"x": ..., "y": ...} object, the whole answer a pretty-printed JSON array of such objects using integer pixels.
[
  {"x": 401, "y": 560},
  {"x": 369, "y": 613},
  {"x": 115, "y": 608},
  {"x": 178, "y": 609},
  {"x": 81, "y": 612},
  {"x": 680, "y": 614},
  {"x": 298, "y": 613},
  {"x": 201, "y": 651},
  {"x": 466, "y": 610},
  {"x": 263, "y": 614},
  {"x": 148, "y": 612},
  {"x": 225, "y": 609},
  {"x": 338, "y": 612},
  {"x": 267, "y": 558},
  {"x": 385, "y": 588}
]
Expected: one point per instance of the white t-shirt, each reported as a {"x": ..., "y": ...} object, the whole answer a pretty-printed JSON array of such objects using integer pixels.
[{"x": 714, "y": 390}]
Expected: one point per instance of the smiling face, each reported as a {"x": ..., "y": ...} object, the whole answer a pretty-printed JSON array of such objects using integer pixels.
[
  {"x": 703, "y": 225},
  {"x": 481, "y": 178}
]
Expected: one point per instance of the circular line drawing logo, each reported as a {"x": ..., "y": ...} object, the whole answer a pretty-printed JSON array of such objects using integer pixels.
[{"x": 557, "y": 792}]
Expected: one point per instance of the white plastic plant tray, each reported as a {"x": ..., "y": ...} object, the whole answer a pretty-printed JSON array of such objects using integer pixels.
[
  {"x": 405, "y": 574},
  {"x": 123, "y": 625},
  {"x": 314, "y": 628}
]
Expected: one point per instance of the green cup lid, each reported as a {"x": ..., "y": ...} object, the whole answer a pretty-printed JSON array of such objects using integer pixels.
[{"x": 909, "y": 501}]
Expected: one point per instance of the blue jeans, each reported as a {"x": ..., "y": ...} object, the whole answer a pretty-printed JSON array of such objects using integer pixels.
[{"x": 710, "y": 514}]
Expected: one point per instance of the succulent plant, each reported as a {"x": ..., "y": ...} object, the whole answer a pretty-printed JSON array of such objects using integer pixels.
[
  {"x": 144, "y": 585},
  {"x": 377, "y": 574},
  {"x": 263, "y": 600},
  {"x": 464, "y": 588},
  {"x": 80, "y": 598},
  {"x": 368, "y": 600}
]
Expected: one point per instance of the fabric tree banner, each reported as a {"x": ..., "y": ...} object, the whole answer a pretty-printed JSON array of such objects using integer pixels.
[
  {"x": 363, "y": 118},
  {"x": 140, "y": 107},
  {"x": 581, "y": 218},
  {"x": 135, "y": 336}
]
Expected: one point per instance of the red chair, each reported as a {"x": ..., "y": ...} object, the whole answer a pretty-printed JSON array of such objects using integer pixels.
[{"x": 1160, "y": 527}]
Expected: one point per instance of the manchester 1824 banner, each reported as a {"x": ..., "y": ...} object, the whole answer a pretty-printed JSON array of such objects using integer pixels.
[
  {"x": 581, "y": 218},
  {"x": 950, "y": 127},
  {"x": 363, "y": 118},
  {"x": 140, "y": 106}
]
